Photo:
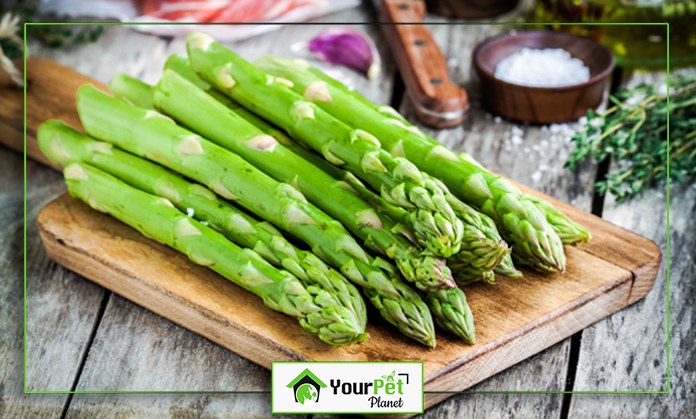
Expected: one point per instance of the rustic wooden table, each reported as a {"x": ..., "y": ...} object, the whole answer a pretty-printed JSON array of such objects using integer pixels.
[{"x": 82, "y": 337}]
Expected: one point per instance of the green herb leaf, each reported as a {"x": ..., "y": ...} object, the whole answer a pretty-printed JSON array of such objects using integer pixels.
[{"x": 634, "y": 134}]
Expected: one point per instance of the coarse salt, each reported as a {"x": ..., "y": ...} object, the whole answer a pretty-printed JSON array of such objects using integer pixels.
[{"x": 550, "y": 67}]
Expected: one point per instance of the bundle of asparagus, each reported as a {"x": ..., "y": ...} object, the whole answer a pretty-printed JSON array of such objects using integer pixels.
[
  {"x": 308, "y": 184},
  {"x": 185, "y": 102}
]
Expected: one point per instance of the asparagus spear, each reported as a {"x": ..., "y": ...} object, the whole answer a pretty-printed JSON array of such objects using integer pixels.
[
  {"x": 154, "y": 136},
  {"x": 139, "y": 94},
  {"x": 399, "y": 181},
  {"x": 507, "y": 268},
  {"x": 344, "y": 308},
  {"x": 570, "y": 232},
  {"x": 181, "y": 65},
  {"x": 520, "y": 221},
  {"x": 195, "y": 109},
  {"x": 157, "y": 218},
  {"x": 449, "y": 308},
  {"x": 452, "y": 313}
]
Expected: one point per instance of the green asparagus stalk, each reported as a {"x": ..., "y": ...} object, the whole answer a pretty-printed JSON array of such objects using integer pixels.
[
  {"x": 507, "y": 268},
  {"x": 452, "y": 313},
  {"x": 450, "y": 310},
  {"x": 195, "y": 109},
  {"x": 139, "y": 94},
  {"x": 154, "y": 136},
  {"x": 521, "y": 221},
  {"x": 344, "y": 309},
  {"x": 181, "y": 65},
  {"x": 399, "y": 181},
  {"x": 157, "y": 218},
  {"x": 570, "y": 232}
]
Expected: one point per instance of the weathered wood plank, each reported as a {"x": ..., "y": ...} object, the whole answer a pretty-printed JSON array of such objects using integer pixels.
[
  {"x": 641, "y": 329},
  {"x": 166, "y": 406},
  {"x": 531, "y": 155},
  {"x": 61, "y": 306},
  {"x": 136, "y": 350},
  {"x": 545, "y": 371}
]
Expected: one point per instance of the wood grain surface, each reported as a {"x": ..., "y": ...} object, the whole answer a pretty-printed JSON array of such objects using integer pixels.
[
  {"x": 187, "y": 299},
  {"x": 536, "y": 162},
  {"x": 641, "y": 330},
  {"x": 515, "y": 318},
  {"x": 61, "y": 304}
]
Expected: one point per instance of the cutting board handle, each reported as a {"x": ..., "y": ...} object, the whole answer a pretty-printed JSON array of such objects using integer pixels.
[
  {"x": 438, "y": 101},
  {"x": 51, "y": 94}
]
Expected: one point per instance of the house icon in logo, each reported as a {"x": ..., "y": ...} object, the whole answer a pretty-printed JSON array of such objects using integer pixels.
[{"x": 306, "y": 387}]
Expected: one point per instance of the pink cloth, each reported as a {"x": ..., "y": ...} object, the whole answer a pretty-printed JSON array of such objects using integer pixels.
[{"x": 221, "y": 10}]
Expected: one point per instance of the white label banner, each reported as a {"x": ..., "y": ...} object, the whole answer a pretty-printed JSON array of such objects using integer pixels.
[{"x": 347, "y": 387}]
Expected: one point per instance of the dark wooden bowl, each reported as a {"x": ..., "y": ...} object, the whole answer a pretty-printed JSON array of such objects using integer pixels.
[{"x": 541, "y": 105}]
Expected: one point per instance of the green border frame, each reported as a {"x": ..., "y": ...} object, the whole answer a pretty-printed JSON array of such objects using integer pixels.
[
  {"x": 319, "y": 24},
  {"x": 349, "y": 362}
]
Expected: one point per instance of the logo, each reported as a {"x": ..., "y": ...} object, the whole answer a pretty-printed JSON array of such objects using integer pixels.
[
  {"x": 385, "y": 387},
  {"x": 306, "y": 387},
  {"x": 347, "y": 387}
]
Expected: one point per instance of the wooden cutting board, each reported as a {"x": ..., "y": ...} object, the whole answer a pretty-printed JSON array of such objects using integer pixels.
[{"x": 515, "y": 318}]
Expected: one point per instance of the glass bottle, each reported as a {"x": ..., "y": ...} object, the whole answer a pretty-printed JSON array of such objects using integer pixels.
[{"x": 633, "y": 45}]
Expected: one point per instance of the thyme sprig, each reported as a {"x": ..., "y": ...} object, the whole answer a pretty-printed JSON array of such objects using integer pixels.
[{"x": 634, "y": 134}]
